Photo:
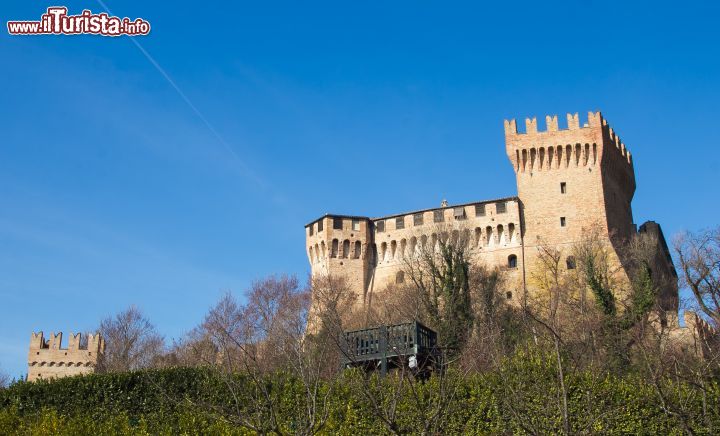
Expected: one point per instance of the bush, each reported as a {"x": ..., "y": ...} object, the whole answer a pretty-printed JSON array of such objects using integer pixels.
[{"x": 520, "y": 397}]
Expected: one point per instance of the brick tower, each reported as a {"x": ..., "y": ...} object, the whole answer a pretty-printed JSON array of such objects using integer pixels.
[
  {"x": 342, "y": 245},
  {"x": 571, "y": 179},
  {"x": 47, "y": 359}
]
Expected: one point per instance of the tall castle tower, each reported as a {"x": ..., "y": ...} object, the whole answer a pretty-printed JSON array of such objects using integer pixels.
[
  {"x": 47, "y": 359},
  {"x": 571, "y": 179}
]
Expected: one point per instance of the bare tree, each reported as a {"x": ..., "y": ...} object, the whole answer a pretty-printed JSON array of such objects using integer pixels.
[
  {"x": 4, "y": 380},
  {"x": 439, "y": 278},
  {"x": 131, "y": 341},
  {"x": 260, "y": 340},
  {"x": 698, "y": 255},
  {"x": 548, "y": 279}
]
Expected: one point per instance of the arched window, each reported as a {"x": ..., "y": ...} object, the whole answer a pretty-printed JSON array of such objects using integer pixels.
[
  {"x": 465, "y": 239},
  {"x": 413, "y": 245},
  {"x": 312, "y": 254},
  {"x": 488, "y": 235},
  {"x": 551, "y": 157},
  {"x": 334, "y": 248},
  {"x": 568, "y": 155},
  {"x": 570, "y": 262},
  {"x": 346, "y": 249},
  {"x": 533, "y": 153},
  {"x": 500, "y": 234},
  {"x": 478, "y": 237},
  {"x": 403, "y": 248},
  {"x": 445, "y": 237},
  {"x": 358, "y": 247},
  {"x": 383, "y": 250},
  {"x": 594, "y": 159},
  {"x": 317, "y": 253},
  {"x": 393, "y": 249},
  {"x": 512, "y": 261},
  {"x": 400, "y": 277},
  {"x": 511, "y": 233},
  {"x": 559, "y": 155},
  {"x": 577, "y": 154}
]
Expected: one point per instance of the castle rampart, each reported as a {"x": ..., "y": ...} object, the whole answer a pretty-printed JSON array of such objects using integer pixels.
[
  {"x": 370, "y": 251},
  {"x": 569, "y": 180},
  {"x": 47, "y": 359}
]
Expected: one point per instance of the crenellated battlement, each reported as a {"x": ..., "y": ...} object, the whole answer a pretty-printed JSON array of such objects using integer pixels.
[
  {"x": 75, "y": 343},
  {"x": 595, "y": 131},
  {"x": 48, "y": 359}
]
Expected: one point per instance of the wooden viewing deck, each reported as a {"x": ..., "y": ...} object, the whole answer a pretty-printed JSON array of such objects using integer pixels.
[{"x": 408, "y": 345}]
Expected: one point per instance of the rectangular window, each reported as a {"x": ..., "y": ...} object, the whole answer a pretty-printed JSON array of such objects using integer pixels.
[
  {"x": 311, "y": 228},
  {"x": 320, "y": 226},
  {"x": 380, "y": 225},
  {"x": 337, "y": 223},
  {"x": 479, "y": 210},
  {"x": 438, "y": 216},
  {"x": 356, "y": 225},
  {"x": 459, "y": 213},
  {"x": 501, "y": 207},
  {"x": 418, "y": 219},
  {"x": 563, "y": 187},
  {"x": 400, "y": 222},
  {"x": 562, "y": 221}
]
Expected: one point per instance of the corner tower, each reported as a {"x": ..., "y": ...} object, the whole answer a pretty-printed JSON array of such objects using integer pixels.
[
  {"x": 572, "y": 179},
  {"x": 341, "y": 245}
]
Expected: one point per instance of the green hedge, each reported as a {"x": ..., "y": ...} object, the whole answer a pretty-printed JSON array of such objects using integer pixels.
[{"x": 521, "y": 397}]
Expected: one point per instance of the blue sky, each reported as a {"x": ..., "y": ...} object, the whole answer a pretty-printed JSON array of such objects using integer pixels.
[{"x": 115, "y": 191}]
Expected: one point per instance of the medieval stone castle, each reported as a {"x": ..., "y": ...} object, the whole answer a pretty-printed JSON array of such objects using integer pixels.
[{"x": 568, "y": 181}]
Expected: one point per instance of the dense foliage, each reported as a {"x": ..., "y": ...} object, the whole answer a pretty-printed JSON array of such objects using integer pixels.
[{"x": 517, "y": 398}]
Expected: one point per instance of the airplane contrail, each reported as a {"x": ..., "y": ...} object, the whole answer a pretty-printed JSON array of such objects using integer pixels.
[{"x": 246, "y": 170}]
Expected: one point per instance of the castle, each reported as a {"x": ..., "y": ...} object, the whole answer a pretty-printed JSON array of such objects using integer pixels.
[
  {"x": 568, "y": 181},
  {"x": 47, "y": 359}
]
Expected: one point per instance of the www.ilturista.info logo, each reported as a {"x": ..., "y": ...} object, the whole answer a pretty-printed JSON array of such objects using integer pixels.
[{"x": 57, "y": 22}]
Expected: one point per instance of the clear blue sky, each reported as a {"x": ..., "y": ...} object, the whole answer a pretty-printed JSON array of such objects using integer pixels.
[{"x": 114, "y": 191}]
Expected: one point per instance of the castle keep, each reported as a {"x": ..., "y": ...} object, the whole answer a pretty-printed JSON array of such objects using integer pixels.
[
  {"x": 47, "y": 359},
  {"x": 568, "y": 181}
]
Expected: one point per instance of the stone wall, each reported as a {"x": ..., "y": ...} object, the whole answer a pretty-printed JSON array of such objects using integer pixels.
[{"x": 47, "y": 359}]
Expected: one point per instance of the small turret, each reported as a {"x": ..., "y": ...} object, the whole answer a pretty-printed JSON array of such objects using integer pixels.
[{"x": 50, "y": 360}]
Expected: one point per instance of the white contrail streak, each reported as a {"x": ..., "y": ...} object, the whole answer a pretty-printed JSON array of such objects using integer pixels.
[{"x": 247, "y": 171}]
